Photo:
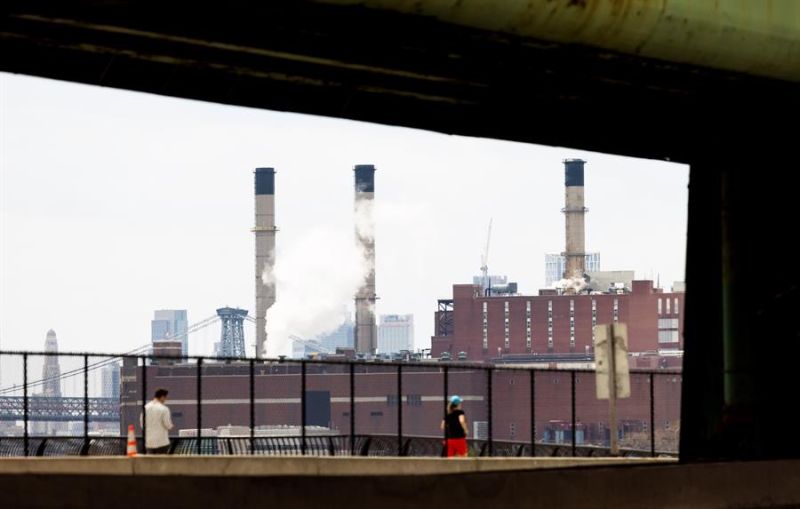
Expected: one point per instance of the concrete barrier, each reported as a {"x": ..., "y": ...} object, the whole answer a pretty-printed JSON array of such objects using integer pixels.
[
  {"x": 291, "y": 465},
  {"x": 389, "y": 483}
]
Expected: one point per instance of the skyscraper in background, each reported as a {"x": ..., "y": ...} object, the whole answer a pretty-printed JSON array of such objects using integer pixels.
[
  {"x": 51, "y": 387},
  {"x": 556, "y": 264},
  {"x": 51, "y": 370},
  {"x": 395, "y": 333},
  {"x": 340, "y": 337},
  {"x": 171, "y": 324},
  {"x": 110, "y": 380}
]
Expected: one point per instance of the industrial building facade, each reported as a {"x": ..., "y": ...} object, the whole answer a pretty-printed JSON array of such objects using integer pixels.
[
  {"x": 277, "y": 396},
  {"x": 554, "y": 325}
]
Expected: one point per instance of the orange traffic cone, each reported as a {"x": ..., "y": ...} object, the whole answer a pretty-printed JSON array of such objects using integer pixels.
[{"x": 131, "y": 442}]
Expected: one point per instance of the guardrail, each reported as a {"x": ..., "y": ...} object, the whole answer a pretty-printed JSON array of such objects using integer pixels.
[{"x": 364, "y": 445}]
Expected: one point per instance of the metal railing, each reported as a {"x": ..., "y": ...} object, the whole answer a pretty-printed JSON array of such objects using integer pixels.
[
  {"x": 564, "y": 441},
  {"x": 364, "y": 445}
]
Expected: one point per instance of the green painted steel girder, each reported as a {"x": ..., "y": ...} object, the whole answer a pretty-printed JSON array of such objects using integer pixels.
[{"x": 756, "y": 37}]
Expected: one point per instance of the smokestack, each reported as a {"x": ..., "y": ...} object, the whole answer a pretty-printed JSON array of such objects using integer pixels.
[
  {"x": 265, "y": 253},
  {"x": 574, "y": 213},
  {"x": 366, "y": 331}
]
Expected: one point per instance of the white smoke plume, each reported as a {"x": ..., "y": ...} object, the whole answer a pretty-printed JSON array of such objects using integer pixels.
[
  {"x": 364, "y": 218},
  {"x": 571, "y": 285},
  {"x": 316, "y": 276}
]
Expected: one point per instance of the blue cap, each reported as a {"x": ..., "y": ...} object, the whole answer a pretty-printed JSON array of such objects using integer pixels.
[{"x": 455, "y": 400}]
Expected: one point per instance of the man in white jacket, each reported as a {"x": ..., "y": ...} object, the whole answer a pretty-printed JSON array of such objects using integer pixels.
[{"x": 158, "y": 424}]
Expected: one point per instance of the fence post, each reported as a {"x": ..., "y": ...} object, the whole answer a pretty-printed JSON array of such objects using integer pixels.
[
  {"x": 652, "y": 416},
  {"x": 399, "y": 410},
  {"x": 25, "y": 402},
  {"x": 352, "y": 409},
  {"x": 303, "y": 407},
  {"x": 199, "y": 404},
  {"x": 85, "y": 404},
  {"x": 144, "y": 402},
  {"x": 490, "y": 443},
  {"x": 533, "y": 412},
  {"x": 444, "y": 416},
  {"x": 574, "y": 431},
  {"x": 252, "y": 406}
]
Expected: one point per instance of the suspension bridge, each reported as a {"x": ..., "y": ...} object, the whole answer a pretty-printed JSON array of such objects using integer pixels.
[{"x": 100, "y": 409}]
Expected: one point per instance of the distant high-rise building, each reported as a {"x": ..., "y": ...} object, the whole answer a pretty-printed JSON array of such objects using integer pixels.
[
  {"x": 494, "y": 280},
  {"x": 556, "y": 264},
  {"x": 171, "y": 324},
  {"x": 395, "y": 333},
  {"x": 497, "y": 285},
  {"x": 341, "y": 337},
  {"x": 51, "y": 371},
  {"x": 110, "y": 380},
  {"x": 51, "y": 387}
]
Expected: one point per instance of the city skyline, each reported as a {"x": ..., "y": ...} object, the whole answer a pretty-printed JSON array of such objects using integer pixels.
[{"x": 141, "y": 229}]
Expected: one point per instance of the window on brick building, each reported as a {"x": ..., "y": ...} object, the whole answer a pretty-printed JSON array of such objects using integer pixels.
[
  {"x": 528, "y": 324},
  {"x": 668, "y": 330},
  {"x": 506, "y": 325},
  {"x": 571, "y": 324},
  {"x": 485, "y": 325},
  {"x": 550, "y": 324}
]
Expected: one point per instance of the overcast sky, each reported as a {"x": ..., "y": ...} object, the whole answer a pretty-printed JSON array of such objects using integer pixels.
[{"x": 114, "y": 204}]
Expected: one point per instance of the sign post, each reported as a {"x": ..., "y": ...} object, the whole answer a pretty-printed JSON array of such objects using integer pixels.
[{"x": 612, "y": 372}]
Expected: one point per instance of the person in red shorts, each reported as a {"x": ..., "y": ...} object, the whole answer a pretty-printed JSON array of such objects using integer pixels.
[{"x": 455, "y": 429}]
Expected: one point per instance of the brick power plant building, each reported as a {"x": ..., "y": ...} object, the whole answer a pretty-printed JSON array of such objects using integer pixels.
[
  {"x": 478, "y": 324},
  {"x": 481, "y": 323},
  {"x": 557, "y": 328},
  {"x": 225, "y": 399}
]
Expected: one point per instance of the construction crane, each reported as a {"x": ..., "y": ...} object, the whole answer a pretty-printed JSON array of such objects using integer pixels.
[{"x": 486, "y": 283}]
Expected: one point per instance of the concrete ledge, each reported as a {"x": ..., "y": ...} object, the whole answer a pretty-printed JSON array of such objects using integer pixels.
[
  {"x": 200, "y": 482},
  {"x": 394, "y": 483},
  {"x": 294, "y": 466}
]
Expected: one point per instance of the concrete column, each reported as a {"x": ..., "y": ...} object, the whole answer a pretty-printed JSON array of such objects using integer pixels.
[{"x": 743, "y": 293}]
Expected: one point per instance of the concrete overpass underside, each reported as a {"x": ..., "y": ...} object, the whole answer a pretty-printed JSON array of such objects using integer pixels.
[
  {"x": 712, "y": 84},
  {"x": 390, "y": 67}
]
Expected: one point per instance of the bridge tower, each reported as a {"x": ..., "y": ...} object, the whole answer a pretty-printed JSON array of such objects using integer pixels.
[{"x": 232, "y": 336}]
